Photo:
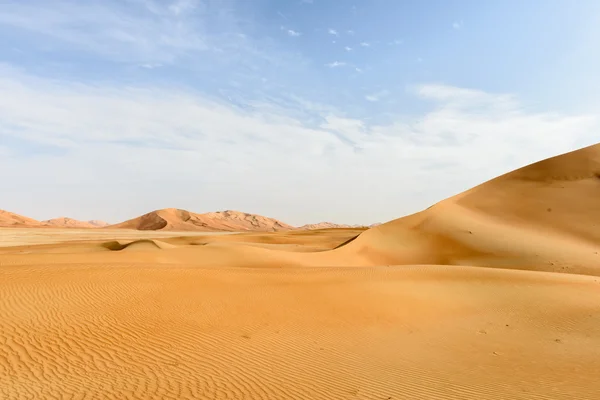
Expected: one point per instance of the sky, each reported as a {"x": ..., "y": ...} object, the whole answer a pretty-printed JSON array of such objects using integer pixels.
[{"x": 349, "y": 111}]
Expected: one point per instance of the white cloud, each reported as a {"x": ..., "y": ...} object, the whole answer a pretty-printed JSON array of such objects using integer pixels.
[
  {"x": 292, "y": 32},
  {"x": 457, "y": 24},
  {"x": 365, "y": 44},
  {"x": 350, "y": 32},
  {"x": 374, "y": 97},
  {"x": 348, "y": 48},
  {"x": 306, "y": 1},
  {"x": 113, "y": 152},
  {"x": 335, "y": 64},
  {"x": 359, "y": 70},
  {"x": 333, "y": 32},
  {"x": 396, "y": 42},
  {"x": 150, "y": 66}
]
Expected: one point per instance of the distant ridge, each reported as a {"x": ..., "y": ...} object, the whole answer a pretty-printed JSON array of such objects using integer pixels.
[
  {"x": 331, "y": 225},
  {"x": 65, "y": 222},
  {"x": 173, "y": 219}
]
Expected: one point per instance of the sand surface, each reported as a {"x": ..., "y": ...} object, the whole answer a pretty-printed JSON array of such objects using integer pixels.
[{"x": 490, "y": 294}]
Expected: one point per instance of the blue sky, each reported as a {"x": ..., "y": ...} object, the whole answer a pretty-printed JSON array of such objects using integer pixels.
[{"x": 345, "y": 111}]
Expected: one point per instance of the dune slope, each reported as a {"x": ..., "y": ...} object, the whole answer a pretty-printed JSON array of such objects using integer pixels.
[
  {"x": 540, "y": 217},
  {"x": 8, "y": 219}
]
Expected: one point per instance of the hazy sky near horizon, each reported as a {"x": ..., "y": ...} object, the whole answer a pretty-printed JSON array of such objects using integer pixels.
[{"x": 354, "y": 111}]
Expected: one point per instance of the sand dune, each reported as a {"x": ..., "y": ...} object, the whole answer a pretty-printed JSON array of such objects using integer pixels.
[
  {"x": 540, "y": 217},
  {"x": 181, "y": 220},
  {"x": 491, "y": 294},
  {"x": 8, "y": 219}
]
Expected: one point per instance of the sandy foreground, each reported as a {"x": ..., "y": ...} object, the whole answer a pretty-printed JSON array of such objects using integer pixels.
[{"x": 251, "y": 317}]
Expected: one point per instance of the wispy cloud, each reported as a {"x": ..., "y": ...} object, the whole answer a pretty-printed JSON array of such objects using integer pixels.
[
  {"x": 333, "y": 32},
  {"x": 161, "y": 136},
  {"x": 350, "y": 32},
  {"x": 150, "y": 66},
  {"x": 396, "y": 42},
  {"x": 365, "y": 44},
  {"x": 121, "y": 33},
  {"x": 348, "y": 48},
  {"x": 457, "y": 24},
  {"x": 335, "y": 64},
  {"x": 374, "y": 97},
  {"x": 294, "y": 33},
  {"x": 183, "y": 6}
]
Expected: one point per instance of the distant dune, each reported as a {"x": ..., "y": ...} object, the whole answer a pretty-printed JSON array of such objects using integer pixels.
[
  {"x": 323, "y": 225},
  {"x": 331, "y": 225},
  {"x": 8, "y": 219},
  {"x": 98, "y": 224},
  {"x": 172, "y": 219},
  {"x": 64, "y": 222}
]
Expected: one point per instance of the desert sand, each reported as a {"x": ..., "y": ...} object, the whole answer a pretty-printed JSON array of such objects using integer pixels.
[{"x": 490, "y": 294}]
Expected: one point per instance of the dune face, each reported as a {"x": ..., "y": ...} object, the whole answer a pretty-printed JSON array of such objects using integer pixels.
[
  {"x": 8, "y": 219},
  {"x": 490, "y": 294},
  {"x": 539, "y": 217},
  {"x": 172, "y": 219}
]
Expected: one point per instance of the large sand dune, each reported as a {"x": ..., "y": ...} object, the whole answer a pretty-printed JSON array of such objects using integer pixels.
[{"x": 490, "y": 294}]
